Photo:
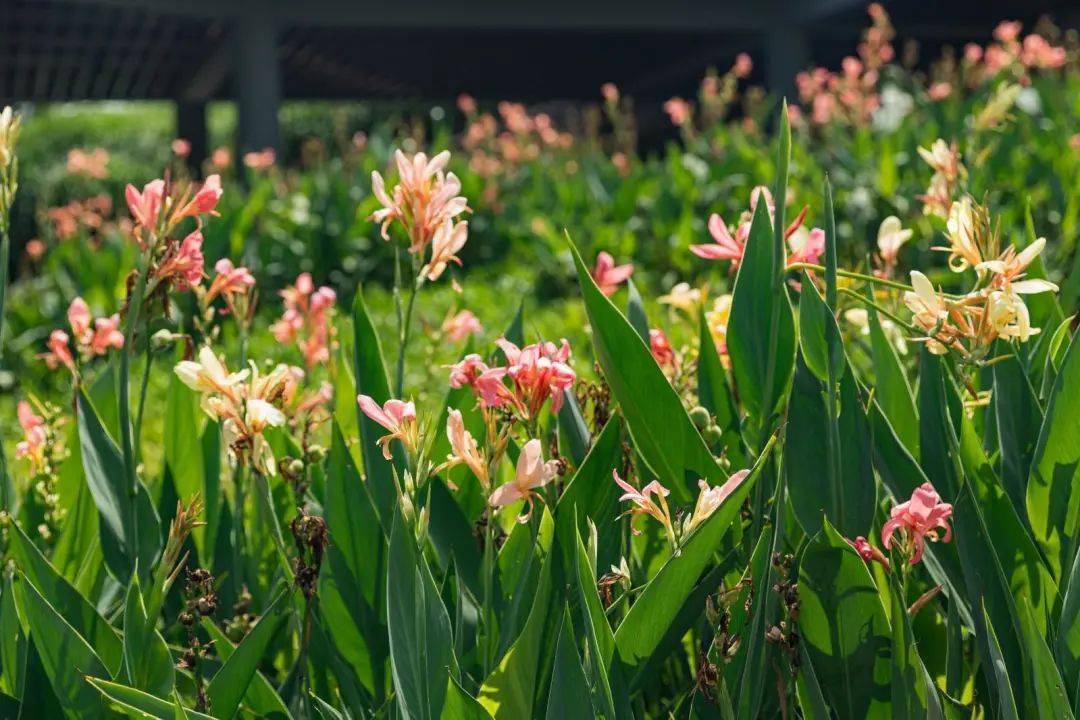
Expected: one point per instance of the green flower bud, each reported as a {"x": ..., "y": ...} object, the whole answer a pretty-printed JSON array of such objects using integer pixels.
[{"x": 700, "y": 417}]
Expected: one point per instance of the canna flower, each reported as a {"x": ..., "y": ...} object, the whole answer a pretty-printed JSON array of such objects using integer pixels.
[
  {"x": 682, "y": 297},
  {"x": 917, "y": 520},
  {"x": 807, "y": 246},
  {"x": 258, "y": 415},
  {"x": 1010, "y": 267},
  {"x": 59, "y": 353},
  {"x": 939, "y": 91},
  {"x": 890, "y": 238},
  {"x": 929, "y": 309},
  {"x": 181, "y": 147},
  {"x": 608, "y": 275},
  {"x": 1008, "y": 315},
  {"x": 678, "y": 110},
  {"x": 9, "y": 133},
  {"x": 35, "y": 435},
  {"x": 208, "y": 376},
  {"x": 397, "y": 416},
  {"x": 106, "y": 335},
  {"x": 448, "y": 240},
  {"x": 145, "y": 205},
  {"x": 306, "y": 320},
  {"x": 229, "y": 280},
  {"x": 531, "y": 473},
  {"x": 717, "y": 320},
  {"x": 205, "y": 199},
  {"x": 184, "y": 266},
  {"x": 710, "y": 498},
  {"x": 91, "y": 164},
  {"x": 650, "y": 500},
  {"x": 260, "y": 160},
  {"x": 424, "y": 198},
  {"x": 725, "y": 246},
  {"x": 463, "y": 448},
  {"x": 79, "y": 318},
  {"x": 538, "y": 371},
  {"x": 661, "y": 348},
  {"x": 743, "y": 66},
  {"x": 460, "y": 326},
  {"x": 962, "y": 231},
  {"x": 868, "y": 552}
]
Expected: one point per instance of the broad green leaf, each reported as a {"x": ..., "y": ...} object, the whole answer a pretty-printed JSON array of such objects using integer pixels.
[
  {"x": 605, "y": 677},
  {"x": 1051, "y": 698},
  {"x": 572, "y": 428},
  {"x": 914, "y": 695},
  {"x": 569, "y": 694},
  {"x": 421, "y": 645},
  {"x": 369, "y": 373},
  {"x": 76, "y": 610},
  {"x": 184, "y": 448},
  {"x": 148, "y": 665},
  {"x": 1053, "y": 492},
  {"x": 658, "y": 423},
  {"x": 13, "y": 645},
  {"x": 999, "y": 671},
  {"x": 843, "y": 489},
  {"x": 452, "y": 537},
  {"x": 65, "y": 655},
  {"x": 635, "y": 311},
  {"x": 1068, "y": 634},
  {"x": 891, "y": 386},
  {"x": 261, "y": 697},
  {"x": 714, "y": 394},
  {"x": 460, "y": 705},
  {"x": 939, "y": 414},
  {"x": 230, "y": 684},
  {"x": 132, "y": 700},
  {"x": 1018, "y": 417},
  {"x": 808, "y": 689},
  {"x": 761, "y": 329},
  {"x": 845, "y": 628},
  {"x": 104, "y": 468},
  {"x": 645, "y": 625}
]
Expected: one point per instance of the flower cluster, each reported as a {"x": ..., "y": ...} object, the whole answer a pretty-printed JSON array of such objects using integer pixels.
[
  {"x": 425, "y": 202},
  {"x": 716, "y": 95},
  {"x": 43, "y": 450},
  {"x": 246, "y": 403},
  {"x": 608, "y": 275},
  {"x": 92, "y": 337},
  {"x": 307, "y": 320},
  {"x": 805, "y": 246},
  {"x": 944, "y": 159},
  {"x": 995, "y": 308},
  {"x": 536, "y": 372},
  {"x": 235, "y": 285},
  {"x": 917, "y": 520}
]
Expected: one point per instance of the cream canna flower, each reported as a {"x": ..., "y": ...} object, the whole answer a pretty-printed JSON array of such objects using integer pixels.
[
  {"x": 463, "y": 448},
  {"x": 446, "y": 243},
  {"x": 682, "y": 297},
  {"x": 532, "y": 473},
  {"x": 1009, "y": 268},
  {"x": 710, "y": 498},
  {"x": 209, "y": 375},
  {"x": 650, "y": 500},
  {"x": 890, "y": 238},
  {"x": 961, "y": 232}
]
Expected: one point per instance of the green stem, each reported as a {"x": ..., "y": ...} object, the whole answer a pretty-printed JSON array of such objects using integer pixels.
[
  {"x": 239, "y": 480},
  {"x": 124, "y": 400},
  {"x": 142, "y": 403},
  {"x": 405, "y": 325},
  {"x": 887, "y": 313},
  {"x": 262, "y": 484},
  {"x": 5, "y": 255}
]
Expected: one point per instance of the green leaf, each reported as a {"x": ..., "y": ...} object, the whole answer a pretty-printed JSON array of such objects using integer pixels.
[
  {"x": 65, "y": 599},
  {"x": 999, "y": 671},
  {"x": 1018, "y": 417},
  {"x": 891, "y": 386},
  {"x": 645, "y": 625},
  {"x": 658, "y": 423},
  {"x": 844, "y": 627},
  {"x": 13, "y": 646},
  {"x": 229, "y": 685},
  {"x": 635, "y": 311},
  {"x": 421, "y": 644},
  {"x": 714, "y": 394},
  {"x": 572, "y": 428},
  {"x": 460, "y": 705},
  {"x": 261, "y": 697},
  {"x": 104, "y": 468},
  {"x": 1068, "y": 635},
  {"x": 65, "y": 655},
  {"x": 914, "y": 695},
  {"x": 132, "y": 700},
  {"x": 569, "y": 694},
  {"x": 844, "y": 491},
  {"x": 761, "y": 328},
  {"x": 452, "y": 537},
  {"x": 1051, "y": 698},
  {"x": 606, "y": 678},
  {"x": 1053, "y": 492},
  {"x": 370, "y": 375},
  {"x": 148, "y": 665}
]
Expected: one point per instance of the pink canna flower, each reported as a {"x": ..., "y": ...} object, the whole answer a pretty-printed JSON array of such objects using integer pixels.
[
  {"x": 229, "y": 279},
  {"x": 725, "y": 246},
  {"x": 145, "y": 205},
  {"x": 32, "y": 447},
  {"x": 532, "y": 473},
  {"x": 59, "y": 351},
  {"x": 397, "y": 416},
  {"x": 710, "y": 498},
  {"x": 260, "y": 160},
  {"x": 650, "y": 500},
  {"x": 661, "y": 348},
  {"x": 307, "y": 319},
  {"x": 463, "y": 449},
  {"x": 678, "y": 110},
  {"x": 916, "y": 520},
  {"x": 181, "y": 147},
  {"x": 424, "y": 198},
  {"x": 608, "y": 275},
  {"x": 185, "y": 266},
  {"x": 462, "y": 325},
  {"x": 106, "y": 335},
  {"x": 868, "y": 552},
  {"x": 538, "y": 371},
  {"x": 806, "y": 246},
  {"x": 743, "y": 66},
  {"x": 446, "y": 243},
  {"x": 79, "y": 318},
  {"x": 939, "y": 91},
  {"x": 205, "y": 199}
]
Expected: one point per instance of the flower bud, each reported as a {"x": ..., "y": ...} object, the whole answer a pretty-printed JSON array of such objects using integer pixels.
[
  {"x": 700, "y": 417},
  {"x": 713, "y": 436}
]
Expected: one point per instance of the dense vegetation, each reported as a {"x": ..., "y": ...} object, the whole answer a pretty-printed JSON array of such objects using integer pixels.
[{"x": 780, "y": 422}]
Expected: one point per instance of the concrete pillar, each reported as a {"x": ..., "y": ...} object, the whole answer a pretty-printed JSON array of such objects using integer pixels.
[
  {"x": 787, "y": 52},
  {"x": 191, "y": 125},
  {"x": 258, "y": 83}
]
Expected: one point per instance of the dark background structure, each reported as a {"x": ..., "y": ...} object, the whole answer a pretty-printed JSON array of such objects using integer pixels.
[{"x": 261, "y": 52}]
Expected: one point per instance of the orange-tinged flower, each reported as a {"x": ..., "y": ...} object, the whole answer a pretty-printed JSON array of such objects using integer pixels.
[
  {"x": 710, "y": 498},
  {"x": 79, "y": 318},
  {"x": 725, "y": 246},
  {"x": 650, "y": 500},
  {"x": 229, "y": 279},
  {"x": 917, "y": 520},
  {"x": 461, "y": 325},
  {"x": 531, "y": 473},
  {"x": 608, "y": 275},
  {"x": 463, "y": 448},
  {"x": 33, "y": 446},
  {"x": 184, "y": 266},
  {"x": 397, "y": 416},
  {"x": 145, "y": 205},
  {"x": 661, "y": 349},
  {"x": 59, "y": 352},
  {"x": 890, "y": 238},
  {"x": 106, "y": 335},
  {"x": 446, "y": 243},
  {"x": 205, "y": 199},
  {"x": 424, "y": 198}
]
